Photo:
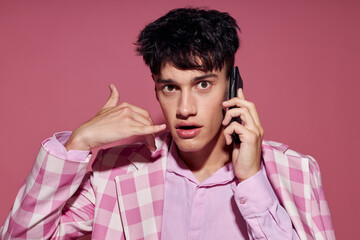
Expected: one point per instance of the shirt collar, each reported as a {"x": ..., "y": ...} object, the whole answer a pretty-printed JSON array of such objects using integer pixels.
[{"x": 177, "y": 166}]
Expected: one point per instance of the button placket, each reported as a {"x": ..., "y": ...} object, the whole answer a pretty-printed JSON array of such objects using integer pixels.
[{"x": 197, "y": 214}]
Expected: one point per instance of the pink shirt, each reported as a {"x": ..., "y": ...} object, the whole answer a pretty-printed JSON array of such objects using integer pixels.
[
  {"x": 249, "y": 210},
  {"x": 220, "y": 207}
]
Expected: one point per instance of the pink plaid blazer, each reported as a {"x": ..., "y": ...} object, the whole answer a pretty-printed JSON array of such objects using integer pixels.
[{"x": 122, "y": 198}]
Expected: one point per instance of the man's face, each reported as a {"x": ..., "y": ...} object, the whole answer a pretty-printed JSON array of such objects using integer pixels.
[{"x": 191, "y": 102}]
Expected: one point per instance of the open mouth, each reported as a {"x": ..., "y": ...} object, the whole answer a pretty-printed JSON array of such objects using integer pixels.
[
  {"x": 188, "y": 127},
  {"x": 187, "y": 130}
]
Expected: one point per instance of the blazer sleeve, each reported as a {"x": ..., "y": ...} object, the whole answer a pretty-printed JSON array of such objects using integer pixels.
[
  {"x": 321, "y": 219},
  {"x": 56, "y": 199},
  {"x": 296, "y": 180}
]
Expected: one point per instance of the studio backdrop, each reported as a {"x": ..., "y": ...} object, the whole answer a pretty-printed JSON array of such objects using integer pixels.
[{"x": 299, "y": 61}]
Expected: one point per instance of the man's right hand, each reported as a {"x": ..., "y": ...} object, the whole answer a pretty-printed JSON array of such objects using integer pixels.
[{"x": 112, "y": 123}]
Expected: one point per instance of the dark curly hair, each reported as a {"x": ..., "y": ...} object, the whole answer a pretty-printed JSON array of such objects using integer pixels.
[{"x": 189, "y": 38}]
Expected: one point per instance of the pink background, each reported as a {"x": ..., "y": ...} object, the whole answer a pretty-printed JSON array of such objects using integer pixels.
[{"x": 299, "y": 61}]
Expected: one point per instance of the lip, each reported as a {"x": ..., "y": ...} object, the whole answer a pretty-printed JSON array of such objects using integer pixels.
[{"x": 187, "y": 133}]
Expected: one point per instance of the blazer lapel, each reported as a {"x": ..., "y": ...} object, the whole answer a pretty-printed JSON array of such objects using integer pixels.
[{"x": 141, "y": 197}]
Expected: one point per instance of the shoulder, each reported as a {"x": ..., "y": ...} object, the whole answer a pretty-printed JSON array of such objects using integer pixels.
[
  {"x": 129, "y": 156},
  {"x": 281, "y": 156}
]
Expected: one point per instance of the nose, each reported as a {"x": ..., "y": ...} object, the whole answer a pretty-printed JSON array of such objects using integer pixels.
[{"x": 186, "y": 106}]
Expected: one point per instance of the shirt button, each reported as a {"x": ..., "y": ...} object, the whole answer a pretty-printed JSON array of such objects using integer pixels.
[{"x": 242, "y": 200}]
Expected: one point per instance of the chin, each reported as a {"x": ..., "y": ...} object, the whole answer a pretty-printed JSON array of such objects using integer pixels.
[{"x": 189, "y": 145}]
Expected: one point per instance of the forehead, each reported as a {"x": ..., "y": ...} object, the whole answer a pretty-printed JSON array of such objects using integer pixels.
[{"x": 175, "y": 74}]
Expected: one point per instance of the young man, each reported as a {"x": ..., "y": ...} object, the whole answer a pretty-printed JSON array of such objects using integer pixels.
[{"x": 192, "y": 182}]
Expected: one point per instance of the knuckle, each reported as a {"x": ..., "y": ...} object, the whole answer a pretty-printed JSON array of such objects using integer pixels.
[
  {"x": 147, "y": 129},
  {"x": 257, "y": 134},
  {"x": 243, "y": 111},
  {"x": 126, "y": 110},
  {"x": 252, "y": 137},
  {"x": 261, "y": 132},
  {"x": 124, "y": 104},
  {"x": 246, "y": 110},
  {"x": 147, "y": 113},
  {"x": 251, "y": 105},
  {"x": 227, "y": 130},
  {"x": 149, "y": 119},
  {"x": 234, "y": 125},
  {"x": 227, "y": 116}
]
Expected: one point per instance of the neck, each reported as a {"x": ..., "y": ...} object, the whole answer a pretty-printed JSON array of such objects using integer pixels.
[{"x": 208, "y": 160}]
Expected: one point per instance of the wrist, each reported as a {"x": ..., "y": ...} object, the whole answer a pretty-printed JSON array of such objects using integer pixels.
[
  {"x": 243, "y": 175},
  {"x": 76, "y": 142}
]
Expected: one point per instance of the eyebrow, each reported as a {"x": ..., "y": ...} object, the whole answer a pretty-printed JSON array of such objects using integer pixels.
[{"x": 195, "y": 79}]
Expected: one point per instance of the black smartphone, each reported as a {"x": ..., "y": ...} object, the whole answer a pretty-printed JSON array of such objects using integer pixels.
[{"x": 234, "y": 84}]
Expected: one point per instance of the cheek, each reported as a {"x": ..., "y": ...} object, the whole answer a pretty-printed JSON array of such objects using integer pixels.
[
  {"x": 213, "y": 110},
  {"x": 167, "y": 109}
]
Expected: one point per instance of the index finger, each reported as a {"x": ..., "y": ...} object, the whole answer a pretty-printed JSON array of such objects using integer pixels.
[
  {"x": 242, "y": 103},
  {"x": 138, "y": 110}
]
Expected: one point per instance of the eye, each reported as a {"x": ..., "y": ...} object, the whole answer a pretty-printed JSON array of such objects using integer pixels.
[
  {"x": 169, "y": 88},
  {"x": 203, "y": 85}
]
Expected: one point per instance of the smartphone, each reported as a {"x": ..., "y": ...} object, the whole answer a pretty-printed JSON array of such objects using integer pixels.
[{"x": 234, "y": 84}]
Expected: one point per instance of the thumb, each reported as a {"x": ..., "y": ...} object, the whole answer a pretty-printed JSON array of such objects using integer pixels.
[{"x": 114, "y": 97}]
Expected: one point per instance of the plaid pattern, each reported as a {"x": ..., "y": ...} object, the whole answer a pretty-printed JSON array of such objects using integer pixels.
[
  {"x": 297, "y": 183},
  {"x": 123, "y": 197}
]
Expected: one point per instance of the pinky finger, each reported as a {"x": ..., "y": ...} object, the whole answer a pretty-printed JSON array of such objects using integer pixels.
[
  {"x": 228, "y": 133},
  {"x": 145, "y": 130},
  {"x": 228, "y": 139}
]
